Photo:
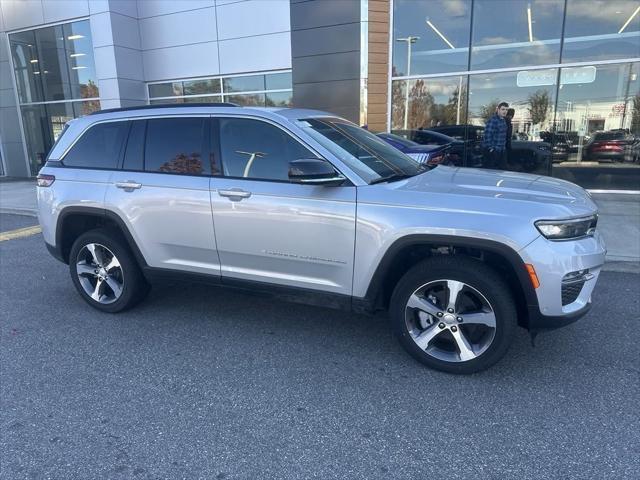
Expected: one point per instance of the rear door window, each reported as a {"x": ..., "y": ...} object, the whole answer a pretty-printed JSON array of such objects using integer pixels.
[
  {"x": 99, "y": 147},
  {"x": 177, "y": 145}
]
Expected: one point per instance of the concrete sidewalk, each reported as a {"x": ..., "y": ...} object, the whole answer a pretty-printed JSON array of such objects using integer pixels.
[{"x": 619, "y": 220}]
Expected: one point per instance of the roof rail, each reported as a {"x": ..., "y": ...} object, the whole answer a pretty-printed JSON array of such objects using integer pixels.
[{"x": 166, "y": 105}]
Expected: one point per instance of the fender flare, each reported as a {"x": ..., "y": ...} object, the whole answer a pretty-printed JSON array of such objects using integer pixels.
[
  {"x": 105, "y": 215},
  {"x": 504, "y": 251}
]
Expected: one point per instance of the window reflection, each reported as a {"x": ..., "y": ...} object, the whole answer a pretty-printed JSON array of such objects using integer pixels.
[
  {"x": 601, "y": 30},
  {"x": 430, "y": 37},
  {"x": 175, "y": 145},
  {"x": 428, "y": 103},
  {"x": 598, "y": 118},
  {"x": 251, "y": 100},
  {"x": 517, "y": 32},
  {"x": 54, "y": 63},
  {"x": 272, "y": 90},
  {"x": 531, "y": 94}
]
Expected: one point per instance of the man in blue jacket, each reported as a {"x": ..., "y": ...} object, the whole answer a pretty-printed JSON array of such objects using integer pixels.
[{"x": 495, "y": 139}]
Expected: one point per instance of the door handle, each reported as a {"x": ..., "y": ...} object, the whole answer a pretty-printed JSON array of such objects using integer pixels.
[
  {"x": 128, "y": 186},
  {"x": 234, "y": 194}
]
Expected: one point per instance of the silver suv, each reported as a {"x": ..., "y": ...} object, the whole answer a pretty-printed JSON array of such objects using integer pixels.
[{"x": 311, "y": 207}]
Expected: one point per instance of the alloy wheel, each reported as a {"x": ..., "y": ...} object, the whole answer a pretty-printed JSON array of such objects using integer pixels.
[
  {"x": 100, "y": 273},
  {"x": 450, "y": 320}
]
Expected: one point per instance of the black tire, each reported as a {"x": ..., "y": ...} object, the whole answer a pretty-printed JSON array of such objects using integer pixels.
[
  {"x": 474, "y": 274},
  {"x": 134, "y": 285}
]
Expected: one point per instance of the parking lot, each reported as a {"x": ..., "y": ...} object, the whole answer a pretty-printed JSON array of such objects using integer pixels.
[{"x": 200, "y": 382}]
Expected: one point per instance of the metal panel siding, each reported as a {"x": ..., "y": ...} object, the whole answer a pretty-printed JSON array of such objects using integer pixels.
[
  {"x": 324, "y": 13},
  {"x": 183, "y": 28},
  {"x": 323, "y": 40},
  {"x": 101, "y": 32},
  {"x": 9, "y": 125},
  {"x": 265, "y": 52},
  {"x": 164, "y": 7},
  {"x": 125, "y": 31},
  {"x": 251, "y": 18},
  {"x": 105, "y": 58},
  {"x": 7, "y": 96},
  {"x": 61, "y": 10},
  {"x": 327, "y": 95},
  {"x": 322, "y": 68},
  {"x": 22, "y": 14},
  {"x": 5, "y": 76},
  {"x": 181, "y": 62}
]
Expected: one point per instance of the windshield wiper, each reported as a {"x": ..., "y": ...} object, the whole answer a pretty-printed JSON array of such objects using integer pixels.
[{"x": 395, "y": 176}]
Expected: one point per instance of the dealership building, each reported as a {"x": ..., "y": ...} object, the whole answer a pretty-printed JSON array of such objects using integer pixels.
[{"x": 569, "y": 68}]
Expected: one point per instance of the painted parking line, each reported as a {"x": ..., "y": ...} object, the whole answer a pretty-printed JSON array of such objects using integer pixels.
[{"x": 20, "y": 233}]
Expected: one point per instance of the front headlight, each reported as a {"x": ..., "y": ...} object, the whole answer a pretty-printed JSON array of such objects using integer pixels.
[{"x": 567, "y": 229}]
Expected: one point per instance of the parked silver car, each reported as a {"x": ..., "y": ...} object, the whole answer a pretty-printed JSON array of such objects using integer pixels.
[{"x": 313, "y": 208}]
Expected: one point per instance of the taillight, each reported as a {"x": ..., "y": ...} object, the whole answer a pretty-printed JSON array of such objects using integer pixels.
[
  {"x": 45, "y": 180},
  {"x": 608, "y": 146},
  {"x": 436, "y": 159}
]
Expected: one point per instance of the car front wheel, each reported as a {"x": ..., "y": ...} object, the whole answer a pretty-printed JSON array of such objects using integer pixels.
[{"x": 454, "y": 314}]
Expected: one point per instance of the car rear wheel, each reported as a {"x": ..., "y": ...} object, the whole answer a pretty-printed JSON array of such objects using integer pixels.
[
  {"x": 104, "y": 271},
  {"x": 453, "y": 314}
]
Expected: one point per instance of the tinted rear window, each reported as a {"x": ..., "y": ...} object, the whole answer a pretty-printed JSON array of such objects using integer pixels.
[
  {"x": 98, "y": 147},
  {"x": 176, "y": 145}
]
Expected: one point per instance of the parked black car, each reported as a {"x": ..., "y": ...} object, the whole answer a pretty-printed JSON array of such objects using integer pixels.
[
  {"x": 525, "y": 156},
  {"x": 561, "y": 145},
  {"x": 458, "y": 153},
  {"x": 431, "y": 154}
]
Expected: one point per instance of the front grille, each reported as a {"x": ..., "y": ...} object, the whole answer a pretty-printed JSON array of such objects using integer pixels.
[{"x": 571, "y": 291}]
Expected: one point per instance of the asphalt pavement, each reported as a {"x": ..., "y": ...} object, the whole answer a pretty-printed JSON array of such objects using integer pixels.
[{"x": 203, "y": 383}]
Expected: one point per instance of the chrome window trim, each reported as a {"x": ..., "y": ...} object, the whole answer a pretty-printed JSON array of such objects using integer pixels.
[
  {"x": 122, "y": 119},
  {"x": 348, "y": 175}
]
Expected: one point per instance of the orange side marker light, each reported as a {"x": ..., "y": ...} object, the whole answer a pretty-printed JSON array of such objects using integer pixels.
[{"x": 532, "y": 275}]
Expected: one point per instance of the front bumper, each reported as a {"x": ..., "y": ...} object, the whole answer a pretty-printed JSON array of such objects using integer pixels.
[
  {"x": 538, "y": 322},
  {"x": 552, "y": 262}
]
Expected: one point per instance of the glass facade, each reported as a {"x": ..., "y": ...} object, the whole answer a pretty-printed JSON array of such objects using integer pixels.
[
  {"x": 268, "y": 90},
  {"x": 568, "y": 68},
  {"x": 56, "y": 81}
]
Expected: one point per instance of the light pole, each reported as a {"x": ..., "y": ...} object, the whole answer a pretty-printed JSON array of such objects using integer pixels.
[{"x": 410, "y": 40}]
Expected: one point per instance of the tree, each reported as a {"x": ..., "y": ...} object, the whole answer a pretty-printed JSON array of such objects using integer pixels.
[
  {"x": 420, "y": 106},
  {"x": 450, "y": 114},
  {"x": 539, "y": 103},
  {"x": 635, "y": 115},
  {"x": 89, "y": 90},
  {"x": 486, "y": 111},
  {"x": 397, "y": 103}
]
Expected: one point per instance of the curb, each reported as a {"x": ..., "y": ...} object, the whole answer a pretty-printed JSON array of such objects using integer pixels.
[{"x": 622, "y": 266}]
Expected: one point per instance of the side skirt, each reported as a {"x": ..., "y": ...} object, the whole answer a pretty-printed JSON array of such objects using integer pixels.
[{"x": 304, "y": 296}]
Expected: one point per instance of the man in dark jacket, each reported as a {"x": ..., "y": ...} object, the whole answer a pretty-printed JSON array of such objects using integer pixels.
[{"x": 495, "y": 139}]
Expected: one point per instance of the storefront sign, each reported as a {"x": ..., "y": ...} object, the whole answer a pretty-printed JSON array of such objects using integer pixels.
[
  {"x": 578, "y": 75},
  {"x": 535, "y": 78},
  {"x": 569, "y": 75}
]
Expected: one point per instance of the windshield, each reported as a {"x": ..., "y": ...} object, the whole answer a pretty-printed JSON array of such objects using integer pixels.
[{"x": 367, "y": 155}]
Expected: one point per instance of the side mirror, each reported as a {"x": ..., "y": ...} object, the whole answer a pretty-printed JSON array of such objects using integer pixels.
[{"x": 314, "y": 171}]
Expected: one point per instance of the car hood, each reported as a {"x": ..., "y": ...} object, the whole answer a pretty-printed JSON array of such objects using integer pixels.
[{"x": 485, "y": 192}]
